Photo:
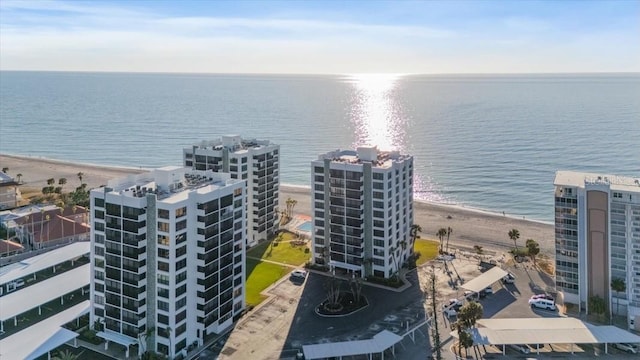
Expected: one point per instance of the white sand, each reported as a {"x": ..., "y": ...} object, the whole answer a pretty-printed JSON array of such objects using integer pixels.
[{"x": 470, "y": 227}]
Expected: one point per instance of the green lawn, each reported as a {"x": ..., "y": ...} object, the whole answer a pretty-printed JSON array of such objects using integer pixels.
[
  {"x": 261, "y": 275},
  {"x": 428, "y": 250},
  {"x": 284, "y": 252}
]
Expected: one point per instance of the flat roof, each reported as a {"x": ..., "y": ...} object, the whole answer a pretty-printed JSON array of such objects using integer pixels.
[
  {"x": 32, "y": 296},
  {"x": 487, "y": 279},
  {"x": 123, "y": 340},
  {"x": 44, "y": 336},
  {"x": 579, "y": 179},
  {"x": 379, "y": 343},
  {"x": 546, "y": 331},
  {"x": 40, "y": 262}
]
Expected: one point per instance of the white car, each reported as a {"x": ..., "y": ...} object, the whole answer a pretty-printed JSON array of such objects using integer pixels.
[
  {"x": 630, "y": 348},
  {"x": 488, "y": 290},
  {"x": 543, "y": 304},
  {"x": 299, "y": 273},
  {"x": 521, "y": 348},
  {"x": 450, "y": 311},
  {"x": 509, "y": 279}
]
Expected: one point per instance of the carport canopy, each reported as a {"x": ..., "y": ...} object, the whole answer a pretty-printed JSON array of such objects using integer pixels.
[
  {"x": 546, "y": 331},
  {"x": 487, "y": 279},
  {"x": 380, "y": 342}
]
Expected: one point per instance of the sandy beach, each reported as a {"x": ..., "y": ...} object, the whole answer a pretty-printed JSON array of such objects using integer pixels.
[{"x": 470, "y": 227}]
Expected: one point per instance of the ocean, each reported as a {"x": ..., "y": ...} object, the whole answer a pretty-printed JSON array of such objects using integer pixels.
[{"x": 489, "y": 142}]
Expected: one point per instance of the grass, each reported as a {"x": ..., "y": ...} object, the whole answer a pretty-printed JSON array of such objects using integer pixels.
[
  {"x": 260, "y": 276},
  {"x": 284, "y": 252},
  {"x": 428, "y": 250}
]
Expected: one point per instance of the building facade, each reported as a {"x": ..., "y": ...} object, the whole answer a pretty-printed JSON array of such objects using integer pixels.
[
  {"x": 168, "y": 255},
  {"x": 257, "y": 162},
  {"x": 362, "y": 211},
  {"x": 9, "y": 193},
  {"x": 597, "y": 225}
]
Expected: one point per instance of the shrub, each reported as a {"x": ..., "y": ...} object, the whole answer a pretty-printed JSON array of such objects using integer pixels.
[
  {"x": 391, "y": 282},
  {"x": 90, "y": 336}
]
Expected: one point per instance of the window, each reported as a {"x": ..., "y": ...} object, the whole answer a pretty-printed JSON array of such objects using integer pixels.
[
  {"x": 181, "y": 212},
  {"x": 163, "y": 266},
  {"x": 180, "y": 225},
  {"x": 162, "y": 226},
  {"x": 163, "y": 253},
  {"x": 163, "y": 240},
  {"x": 181, "y": 303},
  {"x": 98, "y": 202},
  {"x": 163, "y": 213},
  {"x": 181, "y": 251},
  {"x": 163, "y": 305},
  {"x": 163, "y": 319}
]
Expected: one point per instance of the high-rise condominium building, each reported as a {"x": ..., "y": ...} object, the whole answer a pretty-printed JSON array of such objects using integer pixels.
[
  {"x": 362, "y": 210},
  {"x": 597, "y": 221},
  {"x": 257, "y": 162},
  {"x": 167, "y": 255}
]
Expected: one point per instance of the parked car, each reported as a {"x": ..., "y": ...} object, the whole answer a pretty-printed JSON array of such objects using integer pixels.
[
  {"x": 450, "y": 311},
  {"x": 509, "y": 279},
  {"x": 520, "y": 348},
  {"x": 454, "y": 303},
  {"x": 630, "y": 348},
  {"x": 543, "y": 296},
  {"x": 488, "y": 290},
  {"x": 298, "y": 273},
  {"x": 543, "y": 304}
]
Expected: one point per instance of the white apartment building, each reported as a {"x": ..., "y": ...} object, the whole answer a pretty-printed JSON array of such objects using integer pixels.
[
  {"x": 597, "y": 222},
  {"x": 362, "y": 210},
  {"x": 168, "y": 255},
  {"x": 257, "y": 162}
]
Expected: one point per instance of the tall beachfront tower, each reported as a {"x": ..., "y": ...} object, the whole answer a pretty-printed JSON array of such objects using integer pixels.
[
  {"x": 597, "y": 220},
  {"x": 362, "y": 210},
  {"x": 167, "y": 257},
  {"x": 257, "y": 162}
]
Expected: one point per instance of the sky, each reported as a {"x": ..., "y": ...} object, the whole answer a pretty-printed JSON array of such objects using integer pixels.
[{"x": 321, "y": 37}]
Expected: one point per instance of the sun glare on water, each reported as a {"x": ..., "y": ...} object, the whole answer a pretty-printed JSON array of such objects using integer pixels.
[{"x": 375, "y": 113}]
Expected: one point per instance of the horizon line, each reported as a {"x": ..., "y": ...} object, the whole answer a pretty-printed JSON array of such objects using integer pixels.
[{"x": 325, "y": 74}]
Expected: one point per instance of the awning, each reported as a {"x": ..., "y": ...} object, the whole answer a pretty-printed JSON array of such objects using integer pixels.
[
  {"x": 379, "y": 343},
  {"x": 117, "y": 338},
  {"x": 487, "y": 279}
]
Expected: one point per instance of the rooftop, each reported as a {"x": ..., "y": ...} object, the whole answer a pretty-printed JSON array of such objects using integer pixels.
[
  {"x": 44, "y": 336},
  {"x": 170, "y": 183},
  {"x": 365, "y": 154},
  {"x": 23, "y": 300},
  {"x": 234, "y": 143},
  {"x": 36, "y": 263},
  {"x": 581, "y": 179}
]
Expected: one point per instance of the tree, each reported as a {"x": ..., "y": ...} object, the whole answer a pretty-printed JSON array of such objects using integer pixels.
[
  {"x": 66, "y": 355},
  {"x": 62, "y": 182},
  {"x": 464, "y": 340},
  {"x": 51, "y": 181},
  {"x": 355, "y": 284},
  {"x": 80, "y": 176},
  {"x": 415, "y": 229},
  {"x": 442, "y": 232},
  {"x": 618, "y": 285},
  {"x": 5, "y": 169},
  {"x": 145, "y": 337},
  {"x": 597, "y": 305},
  {"x": 470, "y": 313},
  {"x": 434, "y": 319},
  {"x": 514, "y": 235},
  {"x": 333, "y": 292},
  {"x": 533, "y": 248},
  {"x": 19, "y": 176},
  {"x": 449, "y": 232}
]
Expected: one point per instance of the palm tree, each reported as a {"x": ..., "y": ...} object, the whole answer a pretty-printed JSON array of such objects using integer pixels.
[
  {"x": 66, "y": 355},
  {"x": 442, "y": 232},
  {"x": 514, "y": 235},
  {"x": 449, "y": 232},
  {"x": 5, "y": 169},
  {"x": 19, "y": 176},
  {"x": 415, "y": 229},
  {"x": 80, "y": 176},
  {"x": 62, "y": 182},
  {"x": 618, "y": 285}
]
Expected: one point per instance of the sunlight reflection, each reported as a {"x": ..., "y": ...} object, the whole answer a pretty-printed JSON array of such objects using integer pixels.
[{"x": 375, "y": 112}]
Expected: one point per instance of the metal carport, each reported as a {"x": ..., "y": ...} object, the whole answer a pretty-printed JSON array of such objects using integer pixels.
[
  {"x": 487, "y": 279},
  {"x": 546, "y": 331},
  {"x": 380, "y": 342}
]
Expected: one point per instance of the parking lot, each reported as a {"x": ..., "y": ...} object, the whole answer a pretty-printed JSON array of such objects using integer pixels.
[{"x": 279, "y": 327}]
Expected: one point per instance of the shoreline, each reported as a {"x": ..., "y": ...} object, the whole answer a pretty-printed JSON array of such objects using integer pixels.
[{"x": 471, "y": 226}]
